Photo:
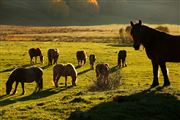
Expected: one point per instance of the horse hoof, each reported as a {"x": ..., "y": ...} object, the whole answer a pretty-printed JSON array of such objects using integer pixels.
[
  {"x": 154, "y": 85},
  {"x": 166, "y": 84}
]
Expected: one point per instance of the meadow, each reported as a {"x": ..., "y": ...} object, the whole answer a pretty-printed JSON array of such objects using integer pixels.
[{"x": 132, "y": 99}]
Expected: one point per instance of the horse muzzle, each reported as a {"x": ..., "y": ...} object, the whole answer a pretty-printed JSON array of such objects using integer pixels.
[{"x": 136, "y": 47}]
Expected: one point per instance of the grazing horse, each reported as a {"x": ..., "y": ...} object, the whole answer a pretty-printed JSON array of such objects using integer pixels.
[
  {"x": 64, "y": 70},
  {"x": 25, "y": 75},
  {"x": 122, "y": 58},
  {"x": 35, "y": 52},
  {"x": 53, "y": 55},
  {"x": 92, "y": 59},
  {"x": 81, "y": 57},
  {"x": 160, "y": 48},
  {"x": 102, "y": 72}
]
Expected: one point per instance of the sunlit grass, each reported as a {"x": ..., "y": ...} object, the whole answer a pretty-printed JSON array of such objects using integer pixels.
[{"x": 59, "y": 103}]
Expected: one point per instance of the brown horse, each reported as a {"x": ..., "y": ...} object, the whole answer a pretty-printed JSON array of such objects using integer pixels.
[
  {"x": 102, "y": 72},
  {"x": 122, "y": 58},
  {"x": 92, "y": 59},
  {"x": 81, "y": 57},
  {"x": 35, "y": 52},
  {"x": 160, "y": 48},
  {"x": 25, "y": 75},
  {"x": 53, "y": 55},
  {"x": 64, "y": 70}
]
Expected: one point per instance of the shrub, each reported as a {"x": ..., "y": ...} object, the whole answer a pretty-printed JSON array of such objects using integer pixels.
[
  {"x": 113, "y": 82},
  {"x": 162, "y": 28}
]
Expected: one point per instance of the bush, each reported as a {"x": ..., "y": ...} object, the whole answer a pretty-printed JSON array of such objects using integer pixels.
[{"x": 162, "y": 29}]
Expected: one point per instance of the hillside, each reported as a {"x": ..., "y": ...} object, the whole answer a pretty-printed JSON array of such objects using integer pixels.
[{"x": 87, "y": 12}]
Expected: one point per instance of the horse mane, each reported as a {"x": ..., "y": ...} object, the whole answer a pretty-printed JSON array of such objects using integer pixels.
[
  {"x": 151, "y": 35},
  {"x": 12, "y": 76},
  {"x": 155, "y": 31}
]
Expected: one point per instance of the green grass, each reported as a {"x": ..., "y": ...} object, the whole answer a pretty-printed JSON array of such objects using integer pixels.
[{"x": 132, "y": 99}]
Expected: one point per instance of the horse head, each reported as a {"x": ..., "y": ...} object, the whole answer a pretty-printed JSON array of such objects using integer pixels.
[
  {"x": 8, "y": 87},
  {"x": 136, "y": 34}
]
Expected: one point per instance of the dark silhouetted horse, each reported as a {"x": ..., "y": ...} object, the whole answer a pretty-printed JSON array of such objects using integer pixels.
[
  {"x": 53, "y": 55},
  {"x": 81, "y": 57},
  {"x": 102, "y": 72},
  {"x": 35, "y": 52},
  {"x": 122, "y": 58},
  {"x": 25, "y": 75},
  {"x": 160, "y": 48},
  {"x": 92, "y": 59},
  {"x": 65, "y": 71}
]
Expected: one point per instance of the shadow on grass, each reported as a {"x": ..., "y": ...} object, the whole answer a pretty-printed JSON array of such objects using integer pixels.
[
  {"x": 151, "y": 104},
  {"x": 26, "y": 65},
  {"x": 121, "y": 45},
  {"x": 82, "y": 72},
  {"x": 45, "y": 67},
  {"x": 10, "y": 99},
  {"x": 114, "y": 69},
  {"x": 78, "y": 66}
]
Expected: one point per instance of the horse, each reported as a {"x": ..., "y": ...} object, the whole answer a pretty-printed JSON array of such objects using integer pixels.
[
  {"x": 102, "y": 72},
  {"x": 92, "y": 59},
  {"x": 81, "y": 57},
  {"x": 65, "y": 71},
  {"x": 160, "y": 48},
  {"x": 53, "y": 55},
  {"x": 122, "y": 58},
  {"x": 35, "y": 52},
  {"x": 25, "y": 75}
]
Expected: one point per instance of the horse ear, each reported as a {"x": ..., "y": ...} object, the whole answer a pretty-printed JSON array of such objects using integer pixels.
[
  {"x": 140, "y": 22},
  {"x": 132, "y": 24}
]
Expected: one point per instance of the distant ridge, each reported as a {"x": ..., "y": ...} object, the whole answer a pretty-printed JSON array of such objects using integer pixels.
[{"x": 51, "y": 12}]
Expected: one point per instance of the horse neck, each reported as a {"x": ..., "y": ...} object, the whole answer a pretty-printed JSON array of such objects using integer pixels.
[
  {"x": 11, "y": 79},
  {"x": 149, "y": 36}
]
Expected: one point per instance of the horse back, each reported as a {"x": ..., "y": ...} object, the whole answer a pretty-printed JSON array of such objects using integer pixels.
[
  {"x": 35, "y": 52},
  {"x": 32, "y": 74},
  {"x": 166, "y": 48},
  {"x": 81, "y": 55}
]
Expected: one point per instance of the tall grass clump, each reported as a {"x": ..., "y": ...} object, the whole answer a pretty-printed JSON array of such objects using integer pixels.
[{"x": 112, "y": 83}]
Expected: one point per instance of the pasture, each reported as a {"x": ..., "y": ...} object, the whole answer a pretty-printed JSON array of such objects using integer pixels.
[{"x": 132, "y": 99}]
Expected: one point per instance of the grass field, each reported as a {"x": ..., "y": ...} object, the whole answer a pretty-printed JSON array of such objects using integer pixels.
[{"x": 132, "y": 99}]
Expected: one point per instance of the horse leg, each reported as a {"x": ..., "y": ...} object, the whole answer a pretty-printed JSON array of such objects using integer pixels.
[
  {"x": 106, "y": 79},
  {"x": 124, "y": 62},
  {"x": 35, "y": 59},
  {"x": 155, "y": 73},
  {"x": 118, "y": 62},
  {"x": 15, "y": 87},
  {"x": 73, "y": 80},
  {"x": 56, "y": 79},
  {"x": 39, "y": 84},
  {"x": 65, "y": 81},
  {"x": 81, "y": 62},
  {"x": 22, "y": 84},
  {"x": 31, "y": 60},
  {"x": 55, "y": 60},
  {"x": 164, "y": 71},
  {"x": 84, "y": 61},
  {"x": 92, "y": 66},
  {"x": 78, "y": 62}
]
